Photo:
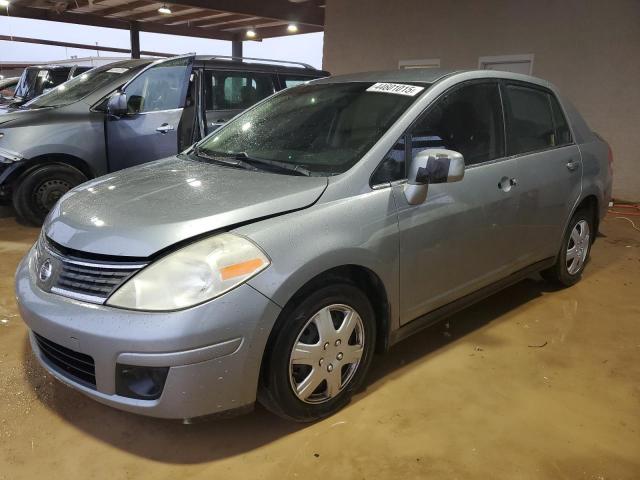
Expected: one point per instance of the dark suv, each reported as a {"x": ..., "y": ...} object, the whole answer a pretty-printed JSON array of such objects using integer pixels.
[
  {"x": 37, "y": 80},
  {"x": 124, "y": 114}
]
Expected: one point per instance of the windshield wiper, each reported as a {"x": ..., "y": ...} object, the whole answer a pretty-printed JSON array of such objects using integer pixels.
[
  {"x": 293, "y": 169},
  {"x": 222, "y": 158}
]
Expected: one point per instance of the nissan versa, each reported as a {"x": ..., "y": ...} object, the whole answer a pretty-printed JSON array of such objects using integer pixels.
[{"x": 333, "y": 219}]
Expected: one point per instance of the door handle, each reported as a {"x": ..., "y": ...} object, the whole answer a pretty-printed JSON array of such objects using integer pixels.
[
  {"x": 505, "y": 184},
  {"x": 164, "y": 128},
  {"x": 572, "y": 165}
]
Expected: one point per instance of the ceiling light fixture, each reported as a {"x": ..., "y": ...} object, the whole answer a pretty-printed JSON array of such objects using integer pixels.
[
  {"x": 163, "y": 10},
  {"x": 251, "y": 33},
  {"x": 292, "y": 28}
]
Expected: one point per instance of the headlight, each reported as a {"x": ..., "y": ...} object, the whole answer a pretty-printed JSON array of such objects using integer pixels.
[{"x": 192, "y": 275}]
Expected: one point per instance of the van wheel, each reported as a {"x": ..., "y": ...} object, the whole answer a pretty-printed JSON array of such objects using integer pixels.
[
  {"x": 38, "y": 190},
  {"x": 574, "y": 253},
  {"x": 319, "y": 355}
]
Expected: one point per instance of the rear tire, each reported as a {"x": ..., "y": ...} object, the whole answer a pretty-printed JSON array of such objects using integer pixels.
[
  {"x": 575, "y": 250},
  {"x": 319, "y": 353},
  {"x": 39, "y": 189}
]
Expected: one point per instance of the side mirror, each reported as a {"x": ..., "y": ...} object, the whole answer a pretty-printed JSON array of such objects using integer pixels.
[
  {"x": 433, "y": 165},
  {"x": 117, "y": 104}
]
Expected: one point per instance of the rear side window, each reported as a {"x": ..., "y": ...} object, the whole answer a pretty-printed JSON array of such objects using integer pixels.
[
  {"x": 563, "y": 134},
  {"x": 529, "y": 120},
  {"x": 236, "y": 90}
]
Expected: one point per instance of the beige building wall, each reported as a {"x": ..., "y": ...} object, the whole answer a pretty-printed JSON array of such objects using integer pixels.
[{"x": 589, "y": 49}]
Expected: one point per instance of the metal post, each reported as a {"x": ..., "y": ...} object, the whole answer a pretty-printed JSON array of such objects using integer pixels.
[
  {"x": 134, "y": 33},
  {"x": 236, "y": 47}
]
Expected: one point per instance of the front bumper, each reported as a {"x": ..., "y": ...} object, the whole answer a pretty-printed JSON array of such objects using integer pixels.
[{"x": 213, "y": 350}]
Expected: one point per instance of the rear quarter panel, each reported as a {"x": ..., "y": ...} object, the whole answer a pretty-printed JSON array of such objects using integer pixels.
[{"x": 596, "y": 176}]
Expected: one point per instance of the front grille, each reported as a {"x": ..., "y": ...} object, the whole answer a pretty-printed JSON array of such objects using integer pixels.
[
  {"x": 78, "y": 366},
  {"x": 82, "y": 278},
  {"x": 90, "y": 280}
]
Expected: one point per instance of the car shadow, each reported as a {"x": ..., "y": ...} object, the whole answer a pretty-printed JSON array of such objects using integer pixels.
[
  {"x": 441, "y": 334},
  {"x": 172, "y": 442}
]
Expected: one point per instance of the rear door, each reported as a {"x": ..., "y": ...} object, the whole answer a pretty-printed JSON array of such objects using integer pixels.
[
  {"x": 227, "y": 93},
  {"x": 549, "y": 167},
  {"x": 156, "y": 99}
]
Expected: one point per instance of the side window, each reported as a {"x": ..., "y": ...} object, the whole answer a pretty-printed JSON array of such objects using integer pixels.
[
  {"x": 235, "y": 90},
  {"x": 467, "y": 120},
  {"x": 563, "y": 134},
  {"x": 290, "y": 81},
  {"x": 392, "y": 167},
  {"x": 529, "y": 120},
  {"x": 161, "y": 87}
]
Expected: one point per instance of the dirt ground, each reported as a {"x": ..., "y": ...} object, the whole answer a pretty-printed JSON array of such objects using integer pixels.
[{"x": 532, "y": 383}]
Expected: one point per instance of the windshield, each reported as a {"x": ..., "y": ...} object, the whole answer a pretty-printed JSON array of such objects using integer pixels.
[
  {"x": 322, "y": 128},
  {"x": 78, "y": 88}
]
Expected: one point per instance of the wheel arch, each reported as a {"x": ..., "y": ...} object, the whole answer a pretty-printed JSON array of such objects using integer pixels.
[
  {"x": 589, "y": 202},
  {"x": 30, "y": 165},
  {"x": 359, "y": 276}
]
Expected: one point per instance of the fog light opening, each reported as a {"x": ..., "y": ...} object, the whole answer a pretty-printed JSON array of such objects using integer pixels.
[{"x": 144, "y": 383}]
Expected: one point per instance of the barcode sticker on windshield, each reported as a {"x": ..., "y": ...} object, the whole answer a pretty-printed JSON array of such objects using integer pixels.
[
  {"x": 397, "y": 88},
  {"x": 117, "y": 70}
]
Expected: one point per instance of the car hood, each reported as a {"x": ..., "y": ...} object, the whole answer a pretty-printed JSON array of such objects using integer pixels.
[{"x": 140, "y": 211}]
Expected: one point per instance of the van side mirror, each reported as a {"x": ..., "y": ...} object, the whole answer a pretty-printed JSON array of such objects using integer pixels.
[
  {"x": 117, "y": 104},
  {"x": 433, "y": 165}
]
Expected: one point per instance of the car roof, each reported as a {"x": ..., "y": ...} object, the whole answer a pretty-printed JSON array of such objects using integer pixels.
[
  {"x": 258, "y": 64},
  {"x": 131, "y": 62},
  {"x": 427, "y": 76}
]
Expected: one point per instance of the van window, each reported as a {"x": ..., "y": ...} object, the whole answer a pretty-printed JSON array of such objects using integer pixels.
[
  {"x": 292, "y": 81},
  {"x": 563, "y": 134},
  {"x": 467, "y": 120},
  {"x": 529, "y": 120},
  {"x": 161, "y": 87},
  {"x": 236, "y": 90}
]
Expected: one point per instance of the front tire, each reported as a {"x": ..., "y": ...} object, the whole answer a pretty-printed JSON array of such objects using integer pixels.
[
  {"x": 574, "y": 253},
  {"x": 319, "y": 354},
  {"x": 38, "y": 190}
]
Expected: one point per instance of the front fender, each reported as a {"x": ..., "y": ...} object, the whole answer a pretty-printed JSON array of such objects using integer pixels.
[{"x": 360, "y": 231}]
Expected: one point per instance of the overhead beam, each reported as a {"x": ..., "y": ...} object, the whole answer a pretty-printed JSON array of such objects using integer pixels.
[
  {"x": 202, "y": 15},
  {"x": 308, "y": 13},
  {"x": 153, "y": 13},
  {"x": 281, "y": 31},
  {"x": 97, "y": 20},
  {"x": 83, "y": 46},
  {"x": 127, "y": 7},
  {"x": 78, "y": 4},
  {"x": 225, "y": 21}
]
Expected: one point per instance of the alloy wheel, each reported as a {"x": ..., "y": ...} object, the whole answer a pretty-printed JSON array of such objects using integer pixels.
[{"x": 578, "y": 247}]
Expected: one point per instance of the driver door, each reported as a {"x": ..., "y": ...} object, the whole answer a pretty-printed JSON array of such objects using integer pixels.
[
  {"x": 463, "y": 237},
  {"x": 155, "y": 102}
]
